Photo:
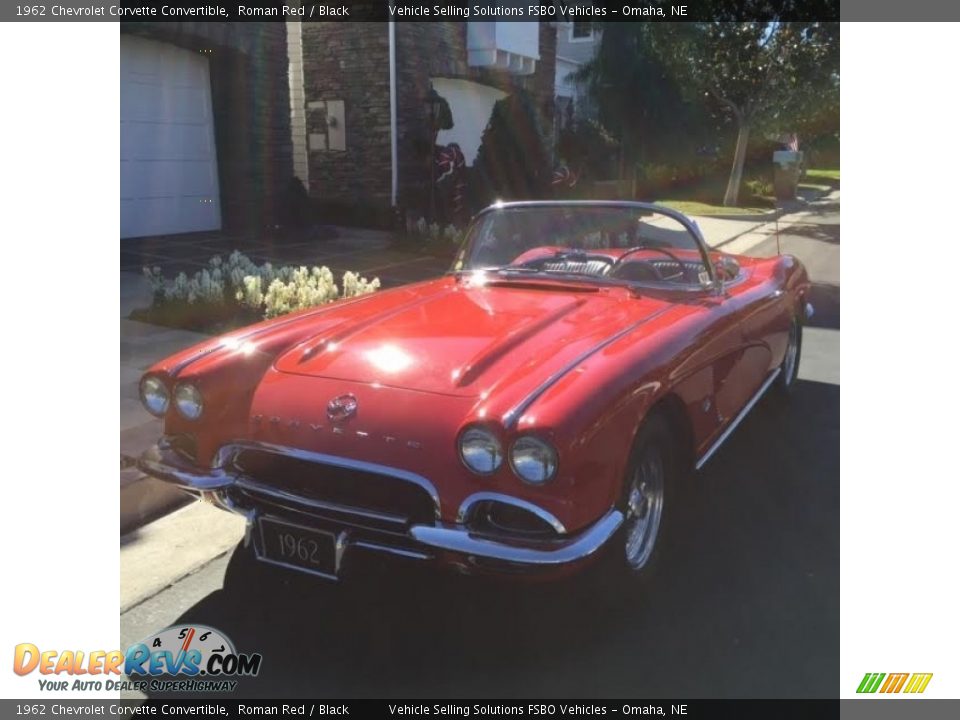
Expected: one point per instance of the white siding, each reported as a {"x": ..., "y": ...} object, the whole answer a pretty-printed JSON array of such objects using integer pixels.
[
  {"x": 471, "y": 105},
  {"x": 298, "y": 114},
  {"x": 168, "y": 156}
]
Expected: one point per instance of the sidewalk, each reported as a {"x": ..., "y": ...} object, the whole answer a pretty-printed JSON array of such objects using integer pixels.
[{"x": 739, "y": 236}]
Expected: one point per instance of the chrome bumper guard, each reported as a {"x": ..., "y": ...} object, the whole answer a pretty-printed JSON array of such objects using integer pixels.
[{"x": 164, "y": 463}]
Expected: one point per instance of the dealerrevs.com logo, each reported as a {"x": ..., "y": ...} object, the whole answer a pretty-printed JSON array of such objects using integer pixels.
[
  {"x": 189, "y": 658},
  {"x": 911, "y": 683}
]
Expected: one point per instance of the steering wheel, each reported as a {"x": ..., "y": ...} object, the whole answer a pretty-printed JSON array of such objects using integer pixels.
[{"x": 684, "y": 270}]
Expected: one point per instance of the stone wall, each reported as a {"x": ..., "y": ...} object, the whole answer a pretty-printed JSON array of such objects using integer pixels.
[
  {"x": 251, "y": 109},
  {"x": 350, "y": 62}
]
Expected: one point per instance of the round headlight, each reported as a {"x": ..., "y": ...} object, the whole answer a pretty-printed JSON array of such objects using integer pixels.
[
  {"x": 188, "y": 400},
  {"x": 154, "y": 396},
  {"x": 533, "y": 460},
  {"x": 480, "y": 451}
]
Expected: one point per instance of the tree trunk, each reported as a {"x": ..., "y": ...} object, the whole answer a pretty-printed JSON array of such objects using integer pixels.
[{"x": 736, "y": 172}]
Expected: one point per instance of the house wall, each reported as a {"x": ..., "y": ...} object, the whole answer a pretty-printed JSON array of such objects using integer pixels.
[
  {"x": 298, "y": 103},
  {"x": 571, "y": 56},
  {"x": 251, "y": 110},
  {"x": 349, "y": 62},
  {"x": 578, "y": 50}
]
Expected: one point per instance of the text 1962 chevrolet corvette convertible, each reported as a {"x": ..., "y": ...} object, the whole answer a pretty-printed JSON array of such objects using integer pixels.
[{"x": 532, "y": 410}]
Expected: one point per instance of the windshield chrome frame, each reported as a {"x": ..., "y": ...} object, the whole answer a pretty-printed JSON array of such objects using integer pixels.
[{"x": 688, "y": 224}]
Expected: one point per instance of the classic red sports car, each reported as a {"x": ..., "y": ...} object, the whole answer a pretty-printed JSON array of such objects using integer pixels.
[{"x": 532, "y": 410}]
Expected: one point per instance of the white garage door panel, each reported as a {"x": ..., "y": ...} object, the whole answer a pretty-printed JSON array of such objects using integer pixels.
[
  {"x": 165, "y": 178},
  {"x": 139, "y": 141},
  {"x": 165, "y": 216},
  {"x": 155, "y": 103},
  {"x": 168, "y": 158}
]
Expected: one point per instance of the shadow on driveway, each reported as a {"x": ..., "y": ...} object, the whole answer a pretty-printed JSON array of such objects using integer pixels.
[{"x": 746, "y": 602}]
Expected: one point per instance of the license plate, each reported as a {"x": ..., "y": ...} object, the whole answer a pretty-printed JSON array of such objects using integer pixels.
[{"x": 298, "y": 547}]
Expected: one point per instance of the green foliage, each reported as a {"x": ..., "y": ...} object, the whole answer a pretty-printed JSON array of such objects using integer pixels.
[
  {"x": 513, "y": 162},
  {"x": 771, "y": 75},
  {"x": 640, "y": 101},
  {"x": 587, "y": 148},
  {"x": 665, "y": 87}
]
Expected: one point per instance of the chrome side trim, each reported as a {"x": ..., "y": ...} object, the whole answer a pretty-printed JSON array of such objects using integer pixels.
[
  {"x": 736, "y": 421},
  {"x": 513, "y": 415},
  {"x": 547, "y": 517},
  {"x": 578, "y": 548},
  {"x": 229, "y": 451}
]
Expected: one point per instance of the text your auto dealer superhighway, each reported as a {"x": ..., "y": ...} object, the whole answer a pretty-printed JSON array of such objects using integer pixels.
[{"x": 120, "y": 11}]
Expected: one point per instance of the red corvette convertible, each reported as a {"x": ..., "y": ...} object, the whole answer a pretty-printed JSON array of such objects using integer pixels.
[{"x": 533, "y": 410}]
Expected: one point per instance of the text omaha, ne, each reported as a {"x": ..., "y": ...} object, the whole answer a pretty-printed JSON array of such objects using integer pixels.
[{"x": 535, "y": 12}]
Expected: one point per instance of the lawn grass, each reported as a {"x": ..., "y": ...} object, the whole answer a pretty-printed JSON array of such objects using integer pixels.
[
  {"x": 695, "y": 207},
  {"x": 827, "y": 176}
]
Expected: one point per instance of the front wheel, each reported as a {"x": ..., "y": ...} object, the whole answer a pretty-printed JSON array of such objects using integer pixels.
[
  {"x": 790, "y": 367},
  {"x": 647, "y": 503}
]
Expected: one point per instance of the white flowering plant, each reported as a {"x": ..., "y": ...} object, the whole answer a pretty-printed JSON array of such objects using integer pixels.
[
  {"x": 432, "y": 233},
  {"x": 239, "y": 284}
]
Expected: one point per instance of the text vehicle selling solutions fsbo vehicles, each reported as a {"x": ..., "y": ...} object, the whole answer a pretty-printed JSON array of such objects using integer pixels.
[{"x": 531, "y": 412}]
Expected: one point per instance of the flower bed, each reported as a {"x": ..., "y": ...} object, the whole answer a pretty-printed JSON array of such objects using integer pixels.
[{"x": 235, "y": 292}]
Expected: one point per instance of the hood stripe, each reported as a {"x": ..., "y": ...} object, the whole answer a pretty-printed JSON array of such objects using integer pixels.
[
  {"x": 328, "y": 307},
  {"x": 482, "y": 362},
  {"x": 513, "y": 415}
]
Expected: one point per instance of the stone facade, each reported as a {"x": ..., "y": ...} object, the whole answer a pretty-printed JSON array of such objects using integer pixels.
[
  {"x": 251, "y": 111},
  {"x": 350, "y": 62}
]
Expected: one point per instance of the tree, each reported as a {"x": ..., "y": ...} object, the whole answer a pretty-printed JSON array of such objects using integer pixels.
[
  {"x": 638, "y": 98},
  {"x": 513, "y": 162},
  {"x": 769, "y": 74}
]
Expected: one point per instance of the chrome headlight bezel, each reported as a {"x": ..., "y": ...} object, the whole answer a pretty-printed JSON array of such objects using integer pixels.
[
  {"x": 478, "y": 434},
  {"x": 188, "y": 400},
  {"x": 547, "y": 457},
  {"x": 154, "y": 395}
]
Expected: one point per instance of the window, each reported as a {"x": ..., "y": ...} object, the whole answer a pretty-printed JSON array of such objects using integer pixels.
[{"x": 581, "y": 30}]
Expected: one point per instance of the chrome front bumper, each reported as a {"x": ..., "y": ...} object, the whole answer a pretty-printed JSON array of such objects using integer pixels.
[{"x": 452, "y": 543}]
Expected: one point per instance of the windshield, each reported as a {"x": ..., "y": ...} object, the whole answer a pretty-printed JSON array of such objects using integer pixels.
[{"x": 629, "y": 243}]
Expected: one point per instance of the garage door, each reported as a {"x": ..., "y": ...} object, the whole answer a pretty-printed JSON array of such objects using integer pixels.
[{"x": 168, "y": 156}]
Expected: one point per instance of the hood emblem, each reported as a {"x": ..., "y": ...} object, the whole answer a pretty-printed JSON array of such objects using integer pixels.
[{"x": 342, "y": 407}]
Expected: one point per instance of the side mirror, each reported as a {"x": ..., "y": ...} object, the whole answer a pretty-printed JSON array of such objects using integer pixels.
[{"x": 726, "y": 269}]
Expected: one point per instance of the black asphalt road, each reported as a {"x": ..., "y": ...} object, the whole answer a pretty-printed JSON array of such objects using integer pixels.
[{"x": 745, "y": 603}]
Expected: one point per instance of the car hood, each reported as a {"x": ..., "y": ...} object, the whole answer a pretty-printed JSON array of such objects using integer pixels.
[{"x": 454, "y": 338}]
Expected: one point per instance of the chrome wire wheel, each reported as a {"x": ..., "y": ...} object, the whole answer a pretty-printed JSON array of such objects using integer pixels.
[
  {"x": 790, "y": 357},
  {"x": 644, "y": 508}
]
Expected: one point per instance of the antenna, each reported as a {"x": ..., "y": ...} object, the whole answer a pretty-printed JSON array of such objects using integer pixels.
[{"x": 776, "y": 224}]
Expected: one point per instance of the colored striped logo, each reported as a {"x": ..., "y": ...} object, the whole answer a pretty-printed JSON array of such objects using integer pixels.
[{"x": 894, "y": 682}]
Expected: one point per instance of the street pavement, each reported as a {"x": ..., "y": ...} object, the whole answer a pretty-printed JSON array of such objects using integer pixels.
[{"x": 746, "y": 604}]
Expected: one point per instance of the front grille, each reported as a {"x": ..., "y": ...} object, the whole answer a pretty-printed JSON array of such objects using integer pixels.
[{"x": 339, "y": 486}]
